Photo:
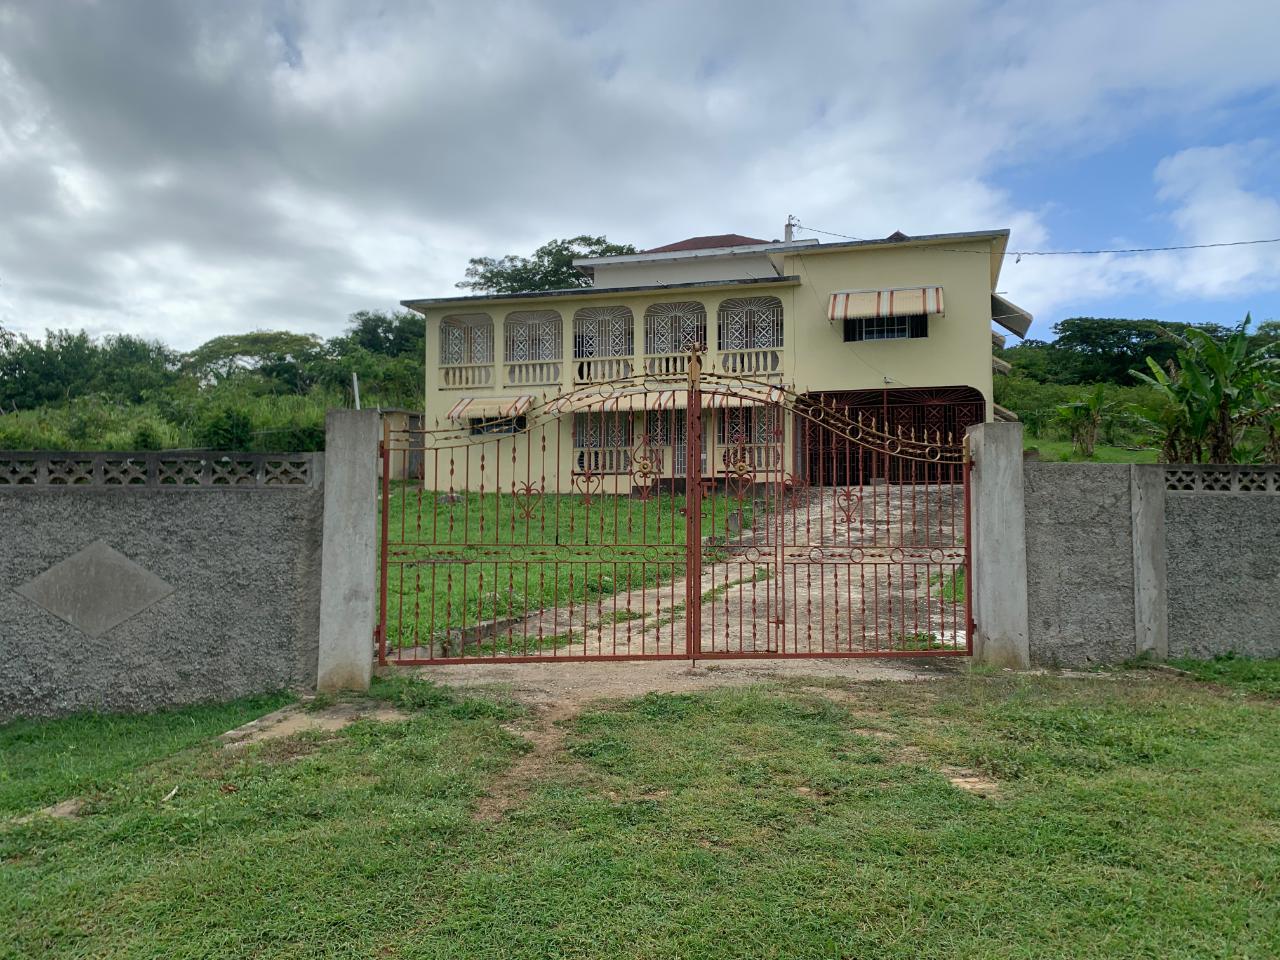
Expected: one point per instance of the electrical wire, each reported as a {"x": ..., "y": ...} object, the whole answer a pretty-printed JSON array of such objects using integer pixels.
[{"x": 1065, "y": 253}]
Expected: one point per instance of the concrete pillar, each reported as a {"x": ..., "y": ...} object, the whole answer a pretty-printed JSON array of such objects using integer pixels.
[
  {"x": 1150, "y": 590},
  {"x": 997, "y": 526},
  {"x": 349, "y": 557}
]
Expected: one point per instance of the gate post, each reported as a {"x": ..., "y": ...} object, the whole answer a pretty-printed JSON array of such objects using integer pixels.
[
  {"x": 349, "y": 557},
  {"x": 693, "y": 508},
  {"x": 998, "y": 553}
]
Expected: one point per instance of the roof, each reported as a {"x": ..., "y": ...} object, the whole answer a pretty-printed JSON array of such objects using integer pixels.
[
  {"x": 578, "y": 292},
  {"x": 705, "y": 243}
]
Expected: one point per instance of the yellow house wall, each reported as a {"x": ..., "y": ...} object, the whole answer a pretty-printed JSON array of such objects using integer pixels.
[{"x": 956, "y": 352}]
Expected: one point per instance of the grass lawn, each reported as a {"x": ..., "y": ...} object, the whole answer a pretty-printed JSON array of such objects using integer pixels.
[
  {"x": 1134, "y": 816},
  {"x": 1256, "y": 676},
  {"x": 1063, "y": 450},
  {"x": 599, "y": 546},
  {"x": 44, "y": 761}
]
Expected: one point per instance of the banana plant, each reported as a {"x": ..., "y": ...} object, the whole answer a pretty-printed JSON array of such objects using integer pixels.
[{"x": 1216, "y": 391}]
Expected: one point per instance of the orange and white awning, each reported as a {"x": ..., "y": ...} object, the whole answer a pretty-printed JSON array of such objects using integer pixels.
[
  {"x": 890, "y": 302},
  {"x": 490, "y": 407}
]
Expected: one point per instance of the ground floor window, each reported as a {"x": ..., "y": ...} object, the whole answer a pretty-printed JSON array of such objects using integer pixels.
[
  {"x": 602, "y": 442},
  {"x": 481, "y": 425}
]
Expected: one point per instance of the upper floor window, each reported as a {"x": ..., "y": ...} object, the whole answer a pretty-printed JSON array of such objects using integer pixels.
[
  {"x": 674, "y": 327},
  {"x": 466, "y": 339},
  {"x": 533, "y": 335},
  {"x": 750, "y": 323},
  {"x": 603, "y": 332},
  {"x": 908, "y": 327}
]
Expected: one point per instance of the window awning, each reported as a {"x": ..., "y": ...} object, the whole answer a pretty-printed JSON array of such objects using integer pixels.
[
  {"x": 713, "y": 397},
  {"x": 488, "y": 407},
  {"x": 1010, "y": 316},
  {"x": 890, "y": 302}
]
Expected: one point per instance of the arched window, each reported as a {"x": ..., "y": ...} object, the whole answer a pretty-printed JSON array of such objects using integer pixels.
[
  {"x": 749, "y": 323},
  {"x": 674, "y": 327},
  {"x": 466, "y": 339},
  {"x": 603, "y": 332},
  {"x": 533, "y": 335}
]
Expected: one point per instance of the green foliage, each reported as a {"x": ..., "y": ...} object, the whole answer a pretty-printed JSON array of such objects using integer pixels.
[
  {"x": 1215, "y": 391},
  {"x": 265, "y": 391},
  {"x": 1260, "y": 677},
  {"x": 549, "y": 268}
]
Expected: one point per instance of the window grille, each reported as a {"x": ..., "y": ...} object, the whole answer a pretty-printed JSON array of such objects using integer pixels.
[
  {"x": 674, "y": 327},
  {"x": 603, "y": 332},
  {"x": 466, "y": 340},
  {"x": 750, "y": 323},
  {"x": 533, "y": 335},
  {"x": 910, "y": 327}
]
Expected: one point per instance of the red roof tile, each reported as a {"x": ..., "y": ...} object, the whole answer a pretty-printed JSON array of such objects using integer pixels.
[{"x": 706, "y": 243}]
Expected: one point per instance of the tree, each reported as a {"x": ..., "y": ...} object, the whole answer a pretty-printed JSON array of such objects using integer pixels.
[
  {"x": 1216, "y": 391},
  {"x": 388, "y": 334},
  {"x": 550, "y": 268},
  {"x": 1099, "y": 349},
  {"x": 273, "y": 354}
]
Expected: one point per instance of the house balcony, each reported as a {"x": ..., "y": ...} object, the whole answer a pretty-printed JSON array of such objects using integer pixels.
[
  {"x": 466, "y": 376},
  {"x": 602, "y": 369},
  {"x": 533, "y": 373},
  {"x": 766, "y": 363}
]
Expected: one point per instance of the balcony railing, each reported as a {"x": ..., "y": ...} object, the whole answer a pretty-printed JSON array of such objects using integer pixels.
[
  {"x": 666, "y": 364},
  {"x": 763, "y": 363},
  {"x": 466, "y": 375},
  {"x": 600, "y": 369},
  {"x": 598, "y": 460},
  {"x": 533, "y": 373},
  {"x": 757, "y": 456},
  {"x": 751, "y": 363}
]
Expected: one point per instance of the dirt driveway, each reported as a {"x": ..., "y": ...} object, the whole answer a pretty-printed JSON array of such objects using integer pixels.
[{"x": 543, "y": 685}]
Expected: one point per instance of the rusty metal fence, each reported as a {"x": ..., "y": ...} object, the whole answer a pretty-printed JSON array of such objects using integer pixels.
[{"x": 672, "y": 518}]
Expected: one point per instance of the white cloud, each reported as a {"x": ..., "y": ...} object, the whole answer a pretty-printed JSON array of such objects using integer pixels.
[{"x": 200, "y": 168}]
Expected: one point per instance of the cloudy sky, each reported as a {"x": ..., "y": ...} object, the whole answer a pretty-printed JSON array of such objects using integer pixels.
[{"x": 183, "y": 169}]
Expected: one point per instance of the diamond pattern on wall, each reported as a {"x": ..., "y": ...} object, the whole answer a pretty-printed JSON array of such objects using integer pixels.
[{"x": 96, "y": 589}]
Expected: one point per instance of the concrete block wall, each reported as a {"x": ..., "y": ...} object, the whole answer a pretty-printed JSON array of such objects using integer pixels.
[
  {"x": 130, "y": 582},
  {"x": 1097, "y": 563}
]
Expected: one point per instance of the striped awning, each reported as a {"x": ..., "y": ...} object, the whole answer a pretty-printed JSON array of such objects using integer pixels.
[
  {"x": 490, "y": 407},
  {"x": 713, "y": 397},
  {"x": 892, "y": 302}
]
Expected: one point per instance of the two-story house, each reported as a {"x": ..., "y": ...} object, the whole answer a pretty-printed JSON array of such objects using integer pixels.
[{"x": 898, "y": 330}]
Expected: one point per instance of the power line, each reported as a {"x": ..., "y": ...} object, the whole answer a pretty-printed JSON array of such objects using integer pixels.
[{"x": 1067, "y": 253}]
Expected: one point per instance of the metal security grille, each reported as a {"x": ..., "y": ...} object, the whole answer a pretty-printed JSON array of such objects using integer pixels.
[
  {"x": 603, "y": 332},
  {"x": 674, "y": 328},
  {"x": 466, "y": 340},
  {"x": 699, "y": 517},
  {"x": 750, "y": 323},
  {"x": 533, "y": 335}
]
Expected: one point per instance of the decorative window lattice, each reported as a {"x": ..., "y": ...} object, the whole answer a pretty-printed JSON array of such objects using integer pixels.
[
  {"x": 757, "y": 425},
  {"x": 466, "y": 340},
  {"x": 595, "y": 431},
  {"x": 674, "y": 327},
  {"x": 1223, "y": 479},
  {"x": 603, "y": 332},
  {"x": 533, "y": 335},
  {"x": 749, "y": 323}
]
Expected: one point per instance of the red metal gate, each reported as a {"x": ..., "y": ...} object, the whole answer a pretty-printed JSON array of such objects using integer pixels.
[{"x": 709, "y": 516}]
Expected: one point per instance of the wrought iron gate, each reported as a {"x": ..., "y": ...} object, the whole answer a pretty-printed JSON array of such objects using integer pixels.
[{"x": 671, "y": 518}]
